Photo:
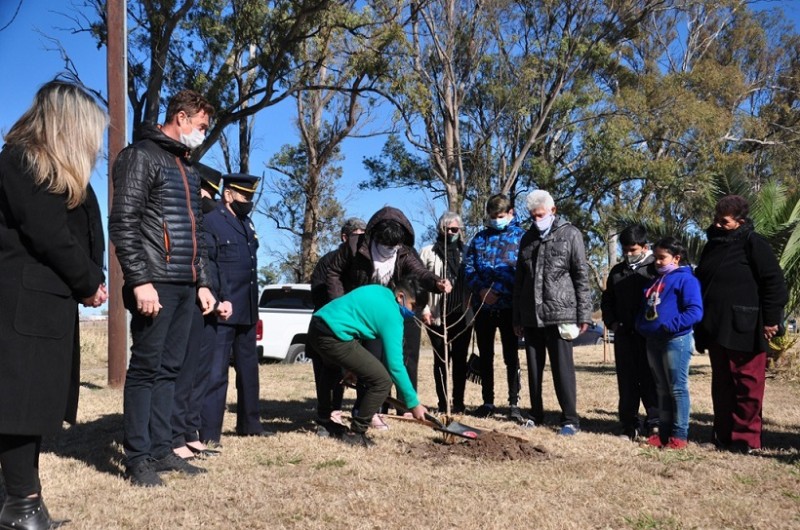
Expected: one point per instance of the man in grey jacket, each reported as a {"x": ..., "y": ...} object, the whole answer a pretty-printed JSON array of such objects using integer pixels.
[{"x": 551, "y": 304}]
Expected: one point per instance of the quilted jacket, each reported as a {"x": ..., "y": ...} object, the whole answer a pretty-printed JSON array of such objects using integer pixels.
[
  {"x": 552, "y": 279},
  {"x": 155, "y": 214}
]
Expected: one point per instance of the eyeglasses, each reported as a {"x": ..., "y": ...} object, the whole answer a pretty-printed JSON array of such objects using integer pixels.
[{"x": 453, "y": 229}]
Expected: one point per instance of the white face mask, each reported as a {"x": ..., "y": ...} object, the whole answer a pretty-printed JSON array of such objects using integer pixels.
[
  {"x": 194, "y": 139},
  {"x": 385, "y": 252},
  {"x": 545, "y": 222}
]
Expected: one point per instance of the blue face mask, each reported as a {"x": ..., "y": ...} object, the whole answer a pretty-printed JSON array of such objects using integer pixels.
[
  {"x": 405, "y": 312},
  {"x": 498, "y": 224}
]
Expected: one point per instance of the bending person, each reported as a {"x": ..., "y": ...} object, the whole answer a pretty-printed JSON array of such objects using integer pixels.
[{"x": 371, "y": 312}]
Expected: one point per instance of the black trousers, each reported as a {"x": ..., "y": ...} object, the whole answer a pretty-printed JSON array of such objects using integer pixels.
[
  {"x": 458, "y": 337},
  {"x": 19, "y": 460},
  {"x": 487, "y": 322},
  {"x": 353, "y": 356},
  {"x": 192, "y": 383},
  {"x": 239, "y": 341},
  {"x": 634, "y": 380},
  {"x": 539, "y": 341},
  {"x": 157, "y": 353},
  {"x": 327, "y": 382}
]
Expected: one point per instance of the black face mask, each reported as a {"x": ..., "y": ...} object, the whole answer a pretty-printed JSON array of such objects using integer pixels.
[
  {"x": 207, "y": 204},
  {"x": 242, "y": 209}
]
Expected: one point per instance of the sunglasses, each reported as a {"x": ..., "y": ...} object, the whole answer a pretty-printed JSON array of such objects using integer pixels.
[{"x": 453, "y": 229}]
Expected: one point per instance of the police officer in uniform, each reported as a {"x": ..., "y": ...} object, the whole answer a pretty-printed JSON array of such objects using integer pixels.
[
  {"x": 237, "y": 245},
  {"x": 191, "y": 385}
]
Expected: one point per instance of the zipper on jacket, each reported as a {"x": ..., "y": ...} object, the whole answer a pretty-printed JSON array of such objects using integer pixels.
[
  {"x": 167, "y": 248},
  {"x": 191, "y": 216}
]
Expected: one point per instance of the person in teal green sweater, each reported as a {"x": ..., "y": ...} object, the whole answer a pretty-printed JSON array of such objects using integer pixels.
[{"x": 367, "y": 313}]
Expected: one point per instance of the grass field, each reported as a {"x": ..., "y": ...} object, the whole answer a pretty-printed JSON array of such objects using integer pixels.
[{"x": 297, "y": 480}]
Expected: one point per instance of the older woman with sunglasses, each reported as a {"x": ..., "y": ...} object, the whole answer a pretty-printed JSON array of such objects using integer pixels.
[{"x": 443, "y": 258}]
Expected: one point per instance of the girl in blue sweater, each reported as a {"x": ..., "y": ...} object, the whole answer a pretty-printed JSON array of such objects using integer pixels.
[{"x": 672, "y": 305}]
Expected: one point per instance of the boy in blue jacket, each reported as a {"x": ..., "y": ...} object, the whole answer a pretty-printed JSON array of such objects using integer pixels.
[
  {"x": 673, "y": 304},
  {"x": 490, "y": 264}
]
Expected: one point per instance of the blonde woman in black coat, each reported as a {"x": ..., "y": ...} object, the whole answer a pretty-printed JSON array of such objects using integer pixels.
[{"x": 45, "y": 166}]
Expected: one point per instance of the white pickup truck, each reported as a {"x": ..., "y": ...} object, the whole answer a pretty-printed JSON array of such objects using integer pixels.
[{"x": 284, "y": 312}]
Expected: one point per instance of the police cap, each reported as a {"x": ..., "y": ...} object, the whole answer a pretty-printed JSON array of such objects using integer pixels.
[
  {"x": 209, "y": 177},
  {"x": 241, "y": 182}
]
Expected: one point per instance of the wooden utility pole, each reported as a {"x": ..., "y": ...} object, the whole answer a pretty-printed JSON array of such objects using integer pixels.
[{"x": 117, "y": 67}]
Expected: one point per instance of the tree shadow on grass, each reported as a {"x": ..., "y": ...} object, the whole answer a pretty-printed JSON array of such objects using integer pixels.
[
  {"x": 286, "y": 416},
  {"x": 98, "y": 443}
]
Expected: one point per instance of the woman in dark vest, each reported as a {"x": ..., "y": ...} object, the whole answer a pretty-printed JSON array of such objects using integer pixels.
[
  {"x": 743, "y": 297},
  {"x": 45, "y": 166}
]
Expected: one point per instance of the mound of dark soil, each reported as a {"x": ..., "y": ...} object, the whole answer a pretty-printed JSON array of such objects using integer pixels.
[{"x": 492, "y": 445}]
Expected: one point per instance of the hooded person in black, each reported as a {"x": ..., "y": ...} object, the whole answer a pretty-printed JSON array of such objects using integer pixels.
[{"x": 385, "y": 255}]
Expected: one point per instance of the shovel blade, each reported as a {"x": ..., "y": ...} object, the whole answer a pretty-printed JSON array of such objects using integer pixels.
[{"x": 459, "y": 429}]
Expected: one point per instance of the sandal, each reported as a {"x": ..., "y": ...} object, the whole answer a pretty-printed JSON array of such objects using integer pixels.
[{"x": 203, "y": 451}]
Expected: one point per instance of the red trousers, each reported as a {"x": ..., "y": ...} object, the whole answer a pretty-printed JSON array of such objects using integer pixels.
[{"x": 737, "y": 390}]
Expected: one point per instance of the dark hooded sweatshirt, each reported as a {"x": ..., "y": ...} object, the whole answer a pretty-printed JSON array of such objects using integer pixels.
[{"x": 352, "y": 266}]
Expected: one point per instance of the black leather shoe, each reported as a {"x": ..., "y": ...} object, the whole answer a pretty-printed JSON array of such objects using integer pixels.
[{"x": 26, "y": 513}]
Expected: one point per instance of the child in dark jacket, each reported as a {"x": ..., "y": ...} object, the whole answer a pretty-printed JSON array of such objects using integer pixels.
[
  {"x": 672, "y": 306},
  {"x": 620, "y": 304}
]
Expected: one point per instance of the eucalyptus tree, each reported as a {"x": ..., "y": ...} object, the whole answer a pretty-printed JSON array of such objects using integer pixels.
[
  {"x": 239, "y": 53},
  {"x": 687, "y": 105},
  {"x": 347, "y": 64},
  {"x": 484, "y": 85}
]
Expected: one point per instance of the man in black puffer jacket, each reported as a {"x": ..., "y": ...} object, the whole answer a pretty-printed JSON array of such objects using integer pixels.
[
  {"x": 552, "y": 304},
  {"x": 154, "y": 223}
]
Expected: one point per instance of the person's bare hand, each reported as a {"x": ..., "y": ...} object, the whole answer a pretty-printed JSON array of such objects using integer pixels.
[
  {"x": 98, "y": 298},
  {"x": 224, "y": 310},
  {"x": 584, "y": 327},
  {"x": 419, "y": 412},
  {"x": 444, "y": 286},
  {"x": 206, "y": 299},
  {"x": 519, "y": 331},
  {"x": 147, "y": 300},
  {"x": 427, "y": 319},
  {"x": 770, "y": 331}
]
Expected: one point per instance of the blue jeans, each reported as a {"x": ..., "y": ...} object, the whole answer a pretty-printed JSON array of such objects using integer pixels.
[{"x": 669, "y": 361}]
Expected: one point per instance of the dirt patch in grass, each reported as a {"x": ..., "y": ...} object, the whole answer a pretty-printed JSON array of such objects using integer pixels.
[{"x": 492, "y": 446}]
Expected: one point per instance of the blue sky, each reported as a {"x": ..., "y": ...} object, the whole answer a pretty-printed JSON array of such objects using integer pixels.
[{"x": 29, "y": 59}]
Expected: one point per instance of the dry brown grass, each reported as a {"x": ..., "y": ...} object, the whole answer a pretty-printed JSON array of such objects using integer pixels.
[{"x": 296, "y": 480}]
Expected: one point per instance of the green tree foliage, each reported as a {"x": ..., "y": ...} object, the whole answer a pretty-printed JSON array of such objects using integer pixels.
[
  {"x": 490, "y": 91},
  {"x": 239, "y": 53},
  {"x": 685, "y": 107}
]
